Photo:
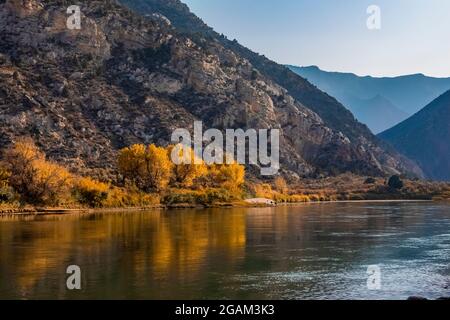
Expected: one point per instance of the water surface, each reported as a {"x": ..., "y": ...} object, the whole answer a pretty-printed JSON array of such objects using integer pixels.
[{"x": 317, "y": 251}]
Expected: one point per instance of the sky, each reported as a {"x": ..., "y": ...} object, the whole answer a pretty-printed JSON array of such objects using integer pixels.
[{"x": 414, "y": 36}]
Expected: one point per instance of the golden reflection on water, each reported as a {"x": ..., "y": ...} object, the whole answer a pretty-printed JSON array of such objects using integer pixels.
[
  {"x": 217, "y": 253},
  {"x": 154, "y": 245}
]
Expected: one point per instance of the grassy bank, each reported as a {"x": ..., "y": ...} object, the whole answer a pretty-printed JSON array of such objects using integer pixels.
[{"x": 349, "y": 187}]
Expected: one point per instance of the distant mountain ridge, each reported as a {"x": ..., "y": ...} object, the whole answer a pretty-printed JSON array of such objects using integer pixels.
[
  {"x": 425, "y": 138},
  {"x": 400, "y": 96}
]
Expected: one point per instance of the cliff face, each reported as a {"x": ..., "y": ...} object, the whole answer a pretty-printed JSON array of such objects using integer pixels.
[{"x": 123, "y": 79}]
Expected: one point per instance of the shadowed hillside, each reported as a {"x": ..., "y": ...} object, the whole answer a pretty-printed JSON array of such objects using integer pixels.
[{"x": 425, "y": 138}]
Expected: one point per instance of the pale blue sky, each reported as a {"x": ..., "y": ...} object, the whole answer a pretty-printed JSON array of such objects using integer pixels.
[{"x": 414, "y": 35}]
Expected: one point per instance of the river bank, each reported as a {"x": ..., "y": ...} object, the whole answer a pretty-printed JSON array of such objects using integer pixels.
[
  {"x": 346, "y": 188},
  {"x": 52, "y": 211},
  {"x": 9, "y": 211}
]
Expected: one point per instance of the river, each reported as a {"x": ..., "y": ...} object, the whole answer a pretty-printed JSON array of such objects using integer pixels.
[{"x": 312, "y": 251}]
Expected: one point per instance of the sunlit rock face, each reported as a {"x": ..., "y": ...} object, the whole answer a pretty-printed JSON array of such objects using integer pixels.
[
  {"x": 23, "y": 8},
  {"x": 123, "y": 78}
]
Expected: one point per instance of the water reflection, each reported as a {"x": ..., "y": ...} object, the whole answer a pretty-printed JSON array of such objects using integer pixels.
[{"x": 310, "y": 251}]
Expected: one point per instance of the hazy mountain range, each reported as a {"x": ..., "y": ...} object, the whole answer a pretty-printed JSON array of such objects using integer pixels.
[
  {"x": 130, "y": 77},
  {"x": 425, "y": 138},
  {"x": 380, "y": 103}
]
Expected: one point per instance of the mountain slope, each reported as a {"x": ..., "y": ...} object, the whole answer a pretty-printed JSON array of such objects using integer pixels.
[
  {"x": 378, "y": 113},
  {"x": 123, "y": 79},
  {"x": 334, "y": 114},
  {"x": 406, "y": 93},
  {"x": 424, "y": 137}
]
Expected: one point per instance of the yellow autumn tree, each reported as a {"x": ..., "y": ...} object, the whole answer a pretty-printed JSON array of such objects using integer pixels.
[
  {"x": 4, "y": 177},
  {"x": 263, "y": 190},
  {"x": 52, "y": 183},
  {"x": 37, "y": 180},
  {"x": 157, "y": 168},
  {"x": 6, "y": 193},
  {"x": 149, "y": 168},
  {"x": 153, "y": 168},
  {"x": 187, "y": 168},
  {"x": 228, "y": 176},
  {"x": 281, "y": 185},
  {"x": 91, "y": 192},
  {"x": 131, "y": 162}
]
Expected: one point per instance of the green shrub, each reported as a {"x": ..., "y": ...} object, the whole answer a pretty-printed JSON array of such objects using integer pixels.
[
  {"x": 211, "y": 196},
  {"x": 395, "y": 182},
  {"x": 200, "y": 197}
]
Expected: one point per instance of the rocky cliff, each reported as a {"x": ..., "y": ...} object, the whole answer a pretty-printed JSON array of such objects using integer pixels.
[{"x": 125, "y": 78}]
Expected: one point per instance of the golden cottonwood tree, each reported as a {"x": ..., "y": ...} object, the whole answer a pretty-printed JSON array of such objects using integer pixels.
[
  {"x": 158, "y": 168},
  {"x": 150, "y": 168},
  {"x": 4, "y": 177},
  {"x": 91, "y": 192},
  {"x": 184, "y": 175},
  {"x": 131, "y": 161},
  {"x": 6, "y": 193},
  {"x": 37, "y": 180},
  {"x": 281, "y": 185},
  {"x": 228, "y": 176}
]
